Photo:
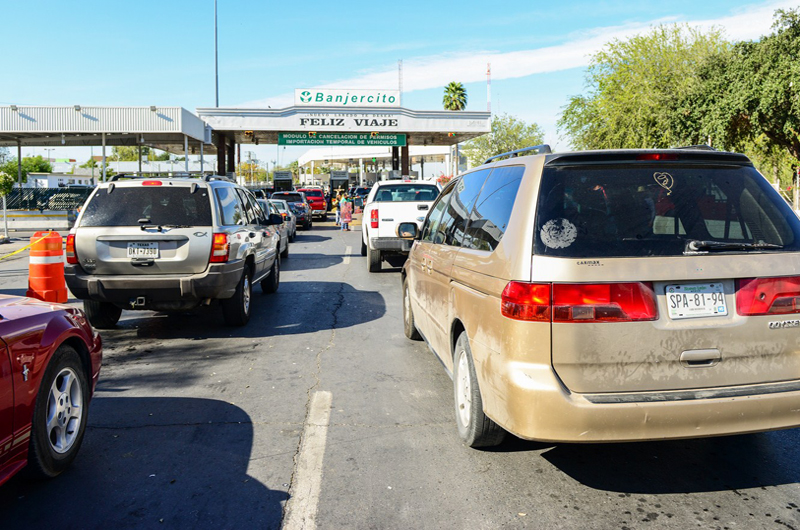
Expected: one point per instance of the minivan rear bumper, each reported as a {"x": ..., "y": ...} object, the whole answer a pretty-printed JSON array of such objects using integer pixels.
[
  {"x": 539, "y": 407},
  {"x": 219, "y": 281}
]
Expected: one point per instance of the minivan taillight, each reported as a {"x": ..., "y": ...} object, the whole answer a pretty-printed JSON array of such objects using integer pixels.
[
  {"x": 566, "y": 302},
  {"x": 219, "y": 248},
  {"x": 604, "y": 302},
  {"x": 72, "y": 257},
  {"x": 768, "y": 296},
  {"x": 373, "y": 218}
]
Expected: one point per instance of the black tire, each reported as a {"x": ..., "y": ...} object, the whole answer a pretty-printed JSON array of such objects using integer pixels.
[
  {"x": 306, "y": 225},
  {"x": 236, "y": 309},
  {"x": 66, "y": 376},
  {"x": 409, "y": 325},
  {"x": 374, "y": 260},
  {"x": 271, "y": 283},
  {"x": 292, "y": 235},
  {"x": 474, "y": 427},
  {"x": 285, "y": 253},
  {"x": 102, "y": 315},
  {"x": 363, "y": 248}
]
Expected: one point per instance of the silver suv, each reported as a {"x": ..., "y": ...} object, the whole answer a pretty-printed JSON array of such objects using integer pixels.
[{"x": 171, "y": 244}]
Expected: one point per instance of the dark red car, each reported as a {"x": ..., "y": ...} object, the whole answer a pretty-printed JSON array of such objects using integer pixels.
[
  {"x": 319, "y": 206},
  {"x": 49, "y": 363}
]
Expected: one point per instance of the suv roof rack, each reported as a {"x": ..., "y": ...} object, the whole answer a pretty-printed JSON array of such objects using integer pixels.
[
  {"x": 209, "y": 178},
  {"x": 118, "y": 176},
  {"x": 700, "y": 147},
  {"x": 540, "y": 149}
]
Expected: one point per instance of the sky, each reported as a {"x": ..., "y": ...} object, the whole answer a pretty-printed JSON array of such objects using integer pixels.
[{"x": 162, "y": 52}]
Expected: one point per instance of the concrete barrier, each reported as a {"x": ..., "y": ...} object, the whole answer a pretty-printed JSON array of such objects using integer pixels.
[{"x": 29, "y": 220}]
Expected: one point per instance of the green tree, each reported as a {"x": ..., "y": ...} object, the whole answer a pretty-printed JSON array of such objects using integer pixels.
[
  {"x": 750, "y": 94},
  {"x": 508, "y": 134},
  {"x": 30, "y": 164},
  {"x": 455, "y": 96},
  {"x": 6, "y": 183},
  {"x": 126, "y": 153},
  {"x": 635, "y": 87}
]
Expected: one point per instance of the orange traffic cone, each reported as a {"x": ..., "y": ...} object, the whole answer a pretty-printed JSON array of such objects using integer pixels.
[{"x": 46, "y": 270}]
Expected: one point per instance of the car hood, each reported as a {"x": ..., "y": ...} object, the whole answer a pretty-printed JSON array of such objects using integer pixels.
[{"x": 17, "y": 307}]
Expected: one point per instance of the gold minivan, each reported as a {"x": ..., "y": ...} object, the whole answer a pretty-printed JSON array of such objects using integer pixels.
[{"x": 610, "y": 296}]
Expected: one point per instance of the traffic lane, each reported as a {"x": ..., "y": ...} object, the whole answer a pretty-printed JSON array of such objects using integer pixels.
[
  {"x": 394, "y": 459},
  {"x": 177, "y": 391}
]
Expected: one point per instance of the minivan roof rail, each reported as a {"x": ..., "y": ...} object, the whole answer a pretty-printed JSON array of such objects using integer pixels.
[
  {"x": 701, "y": 147},
  {"x": 540, "y": 150}
]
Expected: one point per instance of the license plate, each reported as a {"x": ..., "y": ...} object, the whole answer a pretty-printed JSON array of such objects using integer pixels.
[
  {"x": 696, "y": 300},
  {"x": 142, "y": 250}
]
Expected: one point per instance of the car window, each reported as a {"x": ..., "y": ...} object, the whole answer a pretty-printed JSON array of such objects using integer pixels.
[
  {"x": 489, "y": 218},
  {"x": 658, "y": 210},
  {"x": 289, "y": 197},
  {"x": 466, "y": 191},
  {"x": 162, "y": 205},
  {"x": 313, "y": 193},
  {"x": 433, "y": 220},
  {"x": 250, "y": 213},
  {"x": 406, "y": 193},
  {"x": 230, "y": 205},
  {"x": 255, "y": 204}
]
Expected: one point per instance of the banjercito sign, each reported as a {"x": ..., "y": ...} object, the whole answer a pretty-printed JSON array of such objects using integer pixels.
[
  {"x": 322, "y": 138},
  {"x": 335, "y": 97}
]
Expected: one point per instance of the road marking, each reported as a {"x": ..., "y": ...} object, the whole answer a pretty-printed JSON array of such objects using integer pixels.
[
  {"x": 301, "y": 508},
  {"x": 347, "y": 252}
]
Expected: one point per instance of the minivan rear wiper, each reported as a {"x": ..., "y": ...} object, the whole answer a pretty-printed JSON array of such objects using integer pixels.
[{"x": 695, "y": 245}]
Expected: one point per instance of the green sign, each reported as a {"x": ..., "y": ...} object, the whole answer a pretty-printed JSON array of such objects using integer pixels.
[{"x": 329, "y": 138}]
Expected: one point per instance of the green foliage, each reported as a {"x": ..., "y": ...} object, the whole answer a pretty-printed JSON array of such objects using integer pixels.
[
  {"x": 30, "y": 164},
  {"x": 635, "y": 87},
  {"x": 7, "y": 183},
  {"x": 90, "y": 163},
  {"x": 750, "y": 94},
  {"x": 125, "y": 153},
  {"x": 455, "y": 96},
  {"x": 163, "y": 156},
  {"x": 508, "y": 134}
]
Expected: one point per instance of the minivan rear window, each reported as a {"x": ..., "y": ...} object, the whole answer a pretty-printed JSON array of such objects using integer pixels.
[
  {"x": 407, "y": 193},
  {"x": 162, "y": 205},
  {"x": 658, "y": 210}
]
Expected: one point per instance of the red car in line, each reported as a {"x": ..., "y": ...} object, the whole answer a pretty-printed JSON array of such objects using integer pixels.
[
  {"x": 49, "y": 363},
  {"x": 319, "y": 206}
]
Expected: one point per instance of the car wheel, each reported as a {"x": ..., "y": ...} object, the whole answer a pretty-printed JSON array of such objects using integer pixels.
[
  {"x": 474, "y": 427},
  {"x": 59, "y": 415},
  {"x": 285, "y": 252},
  {"x": 292, "y": 235},
  {"x": 236, "y": 309},
  {"x": 409, "y": 325},
  {"x": 374, "y": 260},
  {"x": 363, "y": 248},
  {"x": 102, "y": 315},
  {"x": 273, "y": 281},
  {"x": 306, "y": 225}
]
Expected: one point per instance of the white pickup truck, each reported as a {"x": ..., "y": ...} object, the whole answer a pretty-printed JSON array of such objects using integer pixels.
[{"x": 389, "y": 203}]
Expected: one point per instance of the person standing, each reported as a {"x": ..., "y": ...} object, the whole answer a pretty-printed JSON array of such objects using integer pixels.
[{"x": 346, "y": 216}]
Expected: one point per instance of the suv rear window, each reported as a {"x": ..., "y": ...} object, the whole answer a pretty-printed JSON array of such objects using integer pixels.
[
  {"x": 407, "y": 193},
  {"x": 625, "y": 211},
  {"x": 288, "y": 197},
  {"x": 163, "y": 205}
]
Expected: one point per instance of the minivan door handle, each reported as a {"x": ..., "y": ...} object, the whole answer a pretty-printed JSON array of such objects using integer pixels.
[{"x": 700, "y": 358}]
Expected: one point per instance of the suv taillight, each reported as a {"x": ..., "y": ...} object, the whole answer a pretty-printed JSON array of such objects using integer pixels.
[
  {"x": 72, "y": 257},
  {"x": 768, "y": 296},
  {"x": 563, "y": 302},
  {"x": 219, "y": 248},
  {"x": 373, "y": 218}
]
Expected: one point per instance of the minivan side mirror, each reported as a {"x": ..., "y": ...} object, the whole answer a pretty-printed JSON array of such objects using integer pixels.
[{"x": 408, "y": 231}]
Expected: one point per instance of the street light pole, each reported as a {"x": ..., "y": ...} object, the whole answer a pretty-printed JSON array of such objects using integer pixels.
[{"x": 216, "y": 56}]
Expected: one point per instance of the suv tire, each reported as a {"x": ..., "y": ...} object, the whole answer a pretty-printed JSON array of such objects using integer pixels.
[
  {"x": 474, "y": 427},
  {"x": 374, "y": 260},
  {"x": 102, "y": 315},
  {"x": 409, "y": 325},
  {"x": 236, "y": 309},
  {"x": 273, "y": 281},
  {"x": 363, "y": 248}
]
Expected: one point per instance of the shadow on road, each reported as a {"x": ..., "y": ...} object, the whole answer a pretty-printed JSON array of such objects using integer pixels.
[
  {"x": 306, "y": 261},
  {"x": 150, "y": 462},
  {"x": 305, "y": 237}
]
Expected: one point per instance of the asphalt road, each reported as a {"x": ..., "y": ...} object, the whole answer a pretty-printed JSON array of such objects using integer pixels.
[{"x": 321, "y": 414}]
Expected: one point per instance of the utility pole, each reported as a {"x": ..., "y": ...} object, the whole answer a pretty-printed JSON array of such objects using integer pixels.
[{"x": 216, "y": 57}]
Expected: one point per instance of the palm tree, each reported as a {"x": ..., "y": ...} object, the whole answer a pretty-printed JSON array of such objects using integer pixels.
[{"x": 455, "y": 96}]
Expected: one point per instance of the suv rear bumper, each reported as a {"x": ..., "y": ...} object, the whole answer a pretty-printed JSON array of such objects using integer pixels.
[
  {"x": 536, "y": 406},
  {"x": 219, "y": 281},
  {"x": 395, "y": 244}
]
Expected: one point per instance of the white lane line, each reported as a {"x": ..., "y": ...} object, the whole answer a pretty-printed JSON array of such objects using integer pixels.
[
  {"x": 347, "y": 252},
  {"x": 301, "y": 508}
]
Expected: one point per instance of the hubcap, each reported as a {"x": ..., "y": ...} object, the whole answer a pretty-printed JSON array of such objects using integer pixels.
[
  {"x": 64, "y": 411},
  {"x": 246, "y": 294},
  {"x": 463, "y": 389}
]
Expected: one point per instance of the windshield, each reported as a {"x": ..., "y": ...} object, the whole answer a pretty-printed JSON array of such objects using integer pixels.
[
  {"x": 162, "y": 205},
  {"x": 663, "y": 210},
  {"x": 407, "y": 193}
]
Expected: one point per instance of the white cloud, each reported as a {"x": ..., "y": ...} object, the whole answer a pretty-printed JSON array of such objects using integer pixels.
[{"x": 423, "y": 73}]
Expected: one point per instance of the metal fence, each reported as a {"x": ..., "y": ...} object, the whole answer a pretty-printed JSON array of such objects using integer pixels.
[{"x": 47, "y": 198}]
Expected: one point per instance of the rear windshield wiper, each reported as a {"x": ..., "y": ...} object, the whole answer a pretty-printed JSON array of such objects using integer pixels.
[
  {"x": 695, "y": 245},
  {"x": 145, "y": 223}
]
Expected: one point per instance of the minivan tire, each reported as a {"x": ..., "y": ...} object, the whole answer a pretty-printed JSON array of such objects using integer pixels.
[
  {"x": 236, "y": 309},
  {"x": 285, "y": 253},
  {"x": 271, "y": 283},
  {"x": 474, "y": 427},
  {"x": 102, "y": 315},
  {"x": 409, "y": 325},
  {"x": 374, "y": 260}
]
